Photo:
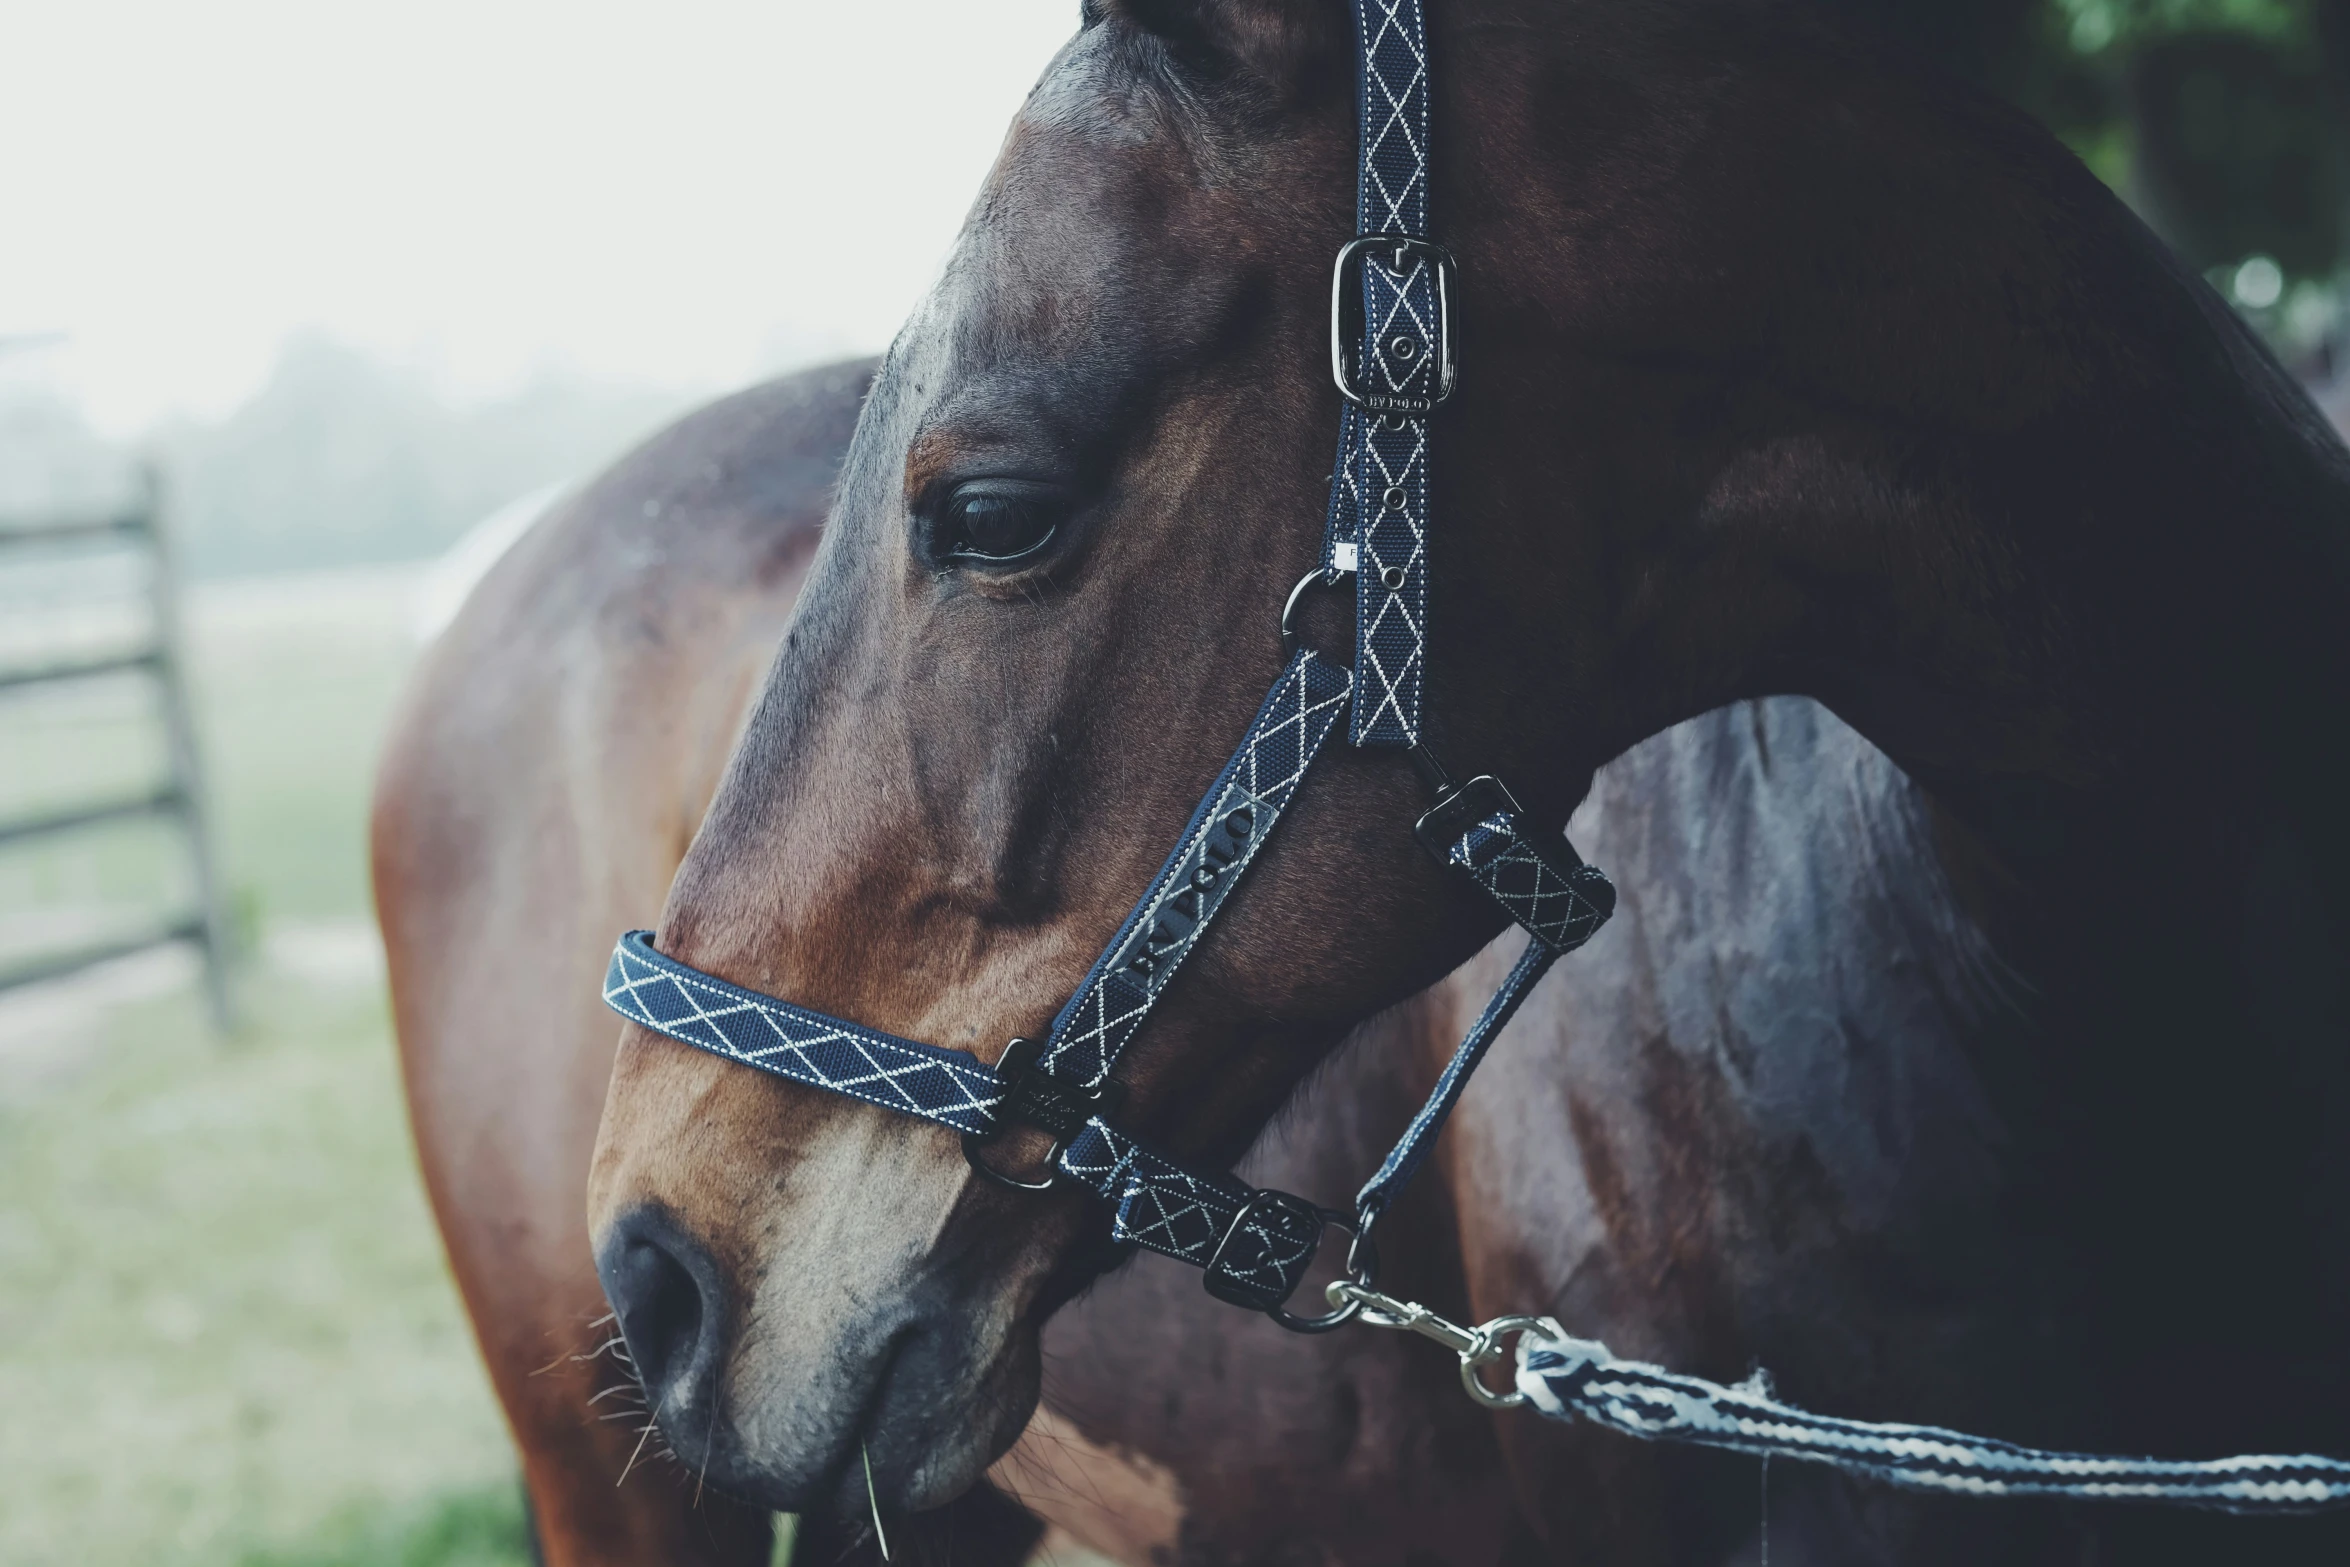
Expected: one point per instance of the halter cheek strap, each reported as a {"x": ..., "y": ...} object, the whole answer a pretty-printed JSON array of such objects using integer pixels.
[
  {"x": 1391, "y": 355},
  {"x": 1233, "y": 821}
]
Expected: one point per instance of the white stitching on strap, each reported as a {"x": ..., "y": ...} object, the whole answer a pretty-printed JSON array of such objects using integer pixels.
[{"x": 1563, "y": 1376}]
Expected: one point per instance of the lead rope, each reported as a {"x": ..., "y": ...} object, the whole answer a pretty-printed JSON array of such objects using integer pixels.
[{"x": 1562, "y": 1377}]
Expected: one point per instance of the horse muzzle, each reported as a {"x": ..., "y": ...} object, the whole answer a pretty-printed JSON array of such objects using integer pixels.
[{"x": 794, "y": 1416}]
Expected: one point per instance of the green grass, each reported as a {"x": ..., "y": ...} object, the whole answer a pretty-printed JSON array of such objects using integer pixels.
[
  {"x": 226, "y": 1317},
  {"x": 295, "y": 681},
  {"x": 227, "y": 1335},
  {"x": 464, "y": 1529}
]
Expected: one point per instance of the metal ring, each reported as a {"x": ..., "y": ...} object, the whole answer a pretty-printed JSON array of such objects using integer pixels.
[
  {"x": 1488, "y": 1350},
  {"x": 1320, "y": 576},
  {"x": 973, "y": 1142},
  {"x": 1362, "y": 1252},
  {"x": 1329, "y": 1319}
]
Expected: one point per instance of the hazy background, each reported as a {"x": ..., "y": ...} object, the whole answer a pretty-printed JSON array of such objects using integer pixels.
[
  {"x": 355, "y": 276},
  {"x": 364, "y": 271},
  {"x": 361, "y": 273}
]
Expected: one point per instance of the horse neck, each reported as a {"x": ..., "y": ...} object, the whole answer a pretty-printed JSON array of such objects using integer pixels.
[
  {"x": 1983, "y": 470},
  {"x": 1802, "y": 376}
]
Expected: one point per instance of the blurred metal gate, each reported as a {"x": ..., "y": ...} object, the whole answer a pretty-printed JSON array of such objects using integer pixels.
[{"x": 149, "y": 648}]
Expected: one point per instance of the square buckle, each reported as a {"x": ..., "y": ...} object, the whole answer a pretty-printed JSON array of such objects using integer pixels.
[
  {"x": 1346, "y": 319},
  {"x": 1033, "y": 1096},
  {"x": 1042, "y": 1100},
  {"x": 1265, "y": 1280},
  {"x": 1459, "y": 810}
]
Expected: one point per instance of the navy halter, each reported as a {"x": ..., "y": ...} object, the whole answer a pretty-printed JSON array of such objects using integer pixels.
[{"x": 1391, "y": 355}]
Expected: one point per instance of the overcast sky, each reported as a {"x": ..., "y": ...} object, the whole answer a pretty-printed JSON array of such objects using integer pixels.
[{"x": 684, "y": 192}]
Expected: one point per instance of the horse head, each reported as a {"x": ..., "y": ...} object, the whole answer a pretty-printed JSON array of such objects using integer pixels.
[
  {"x": 1047, "y": 603},
  {"x": 1693, "y": 457}
]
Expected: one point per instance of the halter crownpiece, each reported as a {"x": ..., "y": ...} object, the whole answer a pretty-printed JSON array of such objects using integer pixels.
[{"x": 1391, "y": 356}]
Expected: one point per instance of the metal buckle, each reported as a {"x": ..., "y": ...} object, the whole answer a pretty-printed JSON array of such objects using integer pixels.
[
  {"x": 1300, "y": 1214},
  {"x": 1460, "y": 809},
  {"x": 1036, "y": 1098},
  {"x": 1346, "y": 310}
]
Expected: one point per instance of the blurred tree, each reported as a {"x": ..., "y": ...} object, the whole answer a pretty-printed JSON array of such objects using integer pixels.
[
  {"x": 341, "y": 458},
  {"x": 2235, "y": 152},
  {"x": 2225, "y": 122}
]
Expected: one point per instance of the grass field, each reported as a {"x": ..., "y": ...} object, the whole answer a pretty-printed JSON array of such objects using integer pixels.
[{"x": 226, "y": 1333}]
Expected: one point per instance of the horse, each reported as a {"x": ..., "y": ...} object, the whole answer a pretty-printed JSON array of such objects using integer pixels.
[
  {"x": 1790, "y": 371},
  {"x": 725, "y": 508},
  {"x": 521, "y": 758}
]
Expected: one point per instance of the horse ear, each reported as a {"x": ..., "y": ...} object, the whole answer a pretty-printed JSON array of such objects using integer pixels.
[{"x": 1286, "y": 44}]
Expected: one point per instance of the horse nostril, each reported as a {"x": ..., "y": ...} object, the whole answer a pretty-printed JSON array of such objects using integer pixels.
[{"x": 665, "y": 1291}]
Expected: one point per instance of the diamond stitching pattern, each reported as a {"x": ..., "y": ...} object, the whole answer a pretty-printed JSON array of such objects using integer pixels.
[
  {"x": 1392, "y": 196},
  {"x": 1560, "y": 908},
  {"x": 1260, "y": 780},
  {"x": 1390, "y": 634},
  {"x": 1386, "y": 458},
  {"x": 1179, "y": 1214},
  {"x": 1172, "y": 1211},
  {"x": 1270, "y": 1252},
  {"x": 693, "y": 1008}
]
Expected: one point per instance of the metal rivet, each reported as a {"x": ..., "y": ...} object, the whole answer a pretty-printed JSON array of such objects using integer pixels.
[
  {"x": 1395, "y": 422},
  {"x": 1395, "y": 498},
  {"x": 1393, "y": 577},
  {"x": 1405, "y": 348}
]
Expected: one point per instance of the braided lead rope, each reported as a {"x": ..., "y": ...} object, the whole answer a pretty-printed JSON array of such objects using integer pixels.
[{"x": 1563, "y": 1377}]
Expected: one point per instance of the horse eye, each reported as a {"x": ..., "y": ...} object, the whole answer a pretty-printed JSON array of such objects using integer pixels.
[{"x": 995, "y": 525}]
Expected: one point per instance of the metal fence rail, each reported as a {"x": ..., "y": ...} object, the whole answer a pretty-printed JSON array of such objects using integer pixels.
[{"x": 178, "y": 798}]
